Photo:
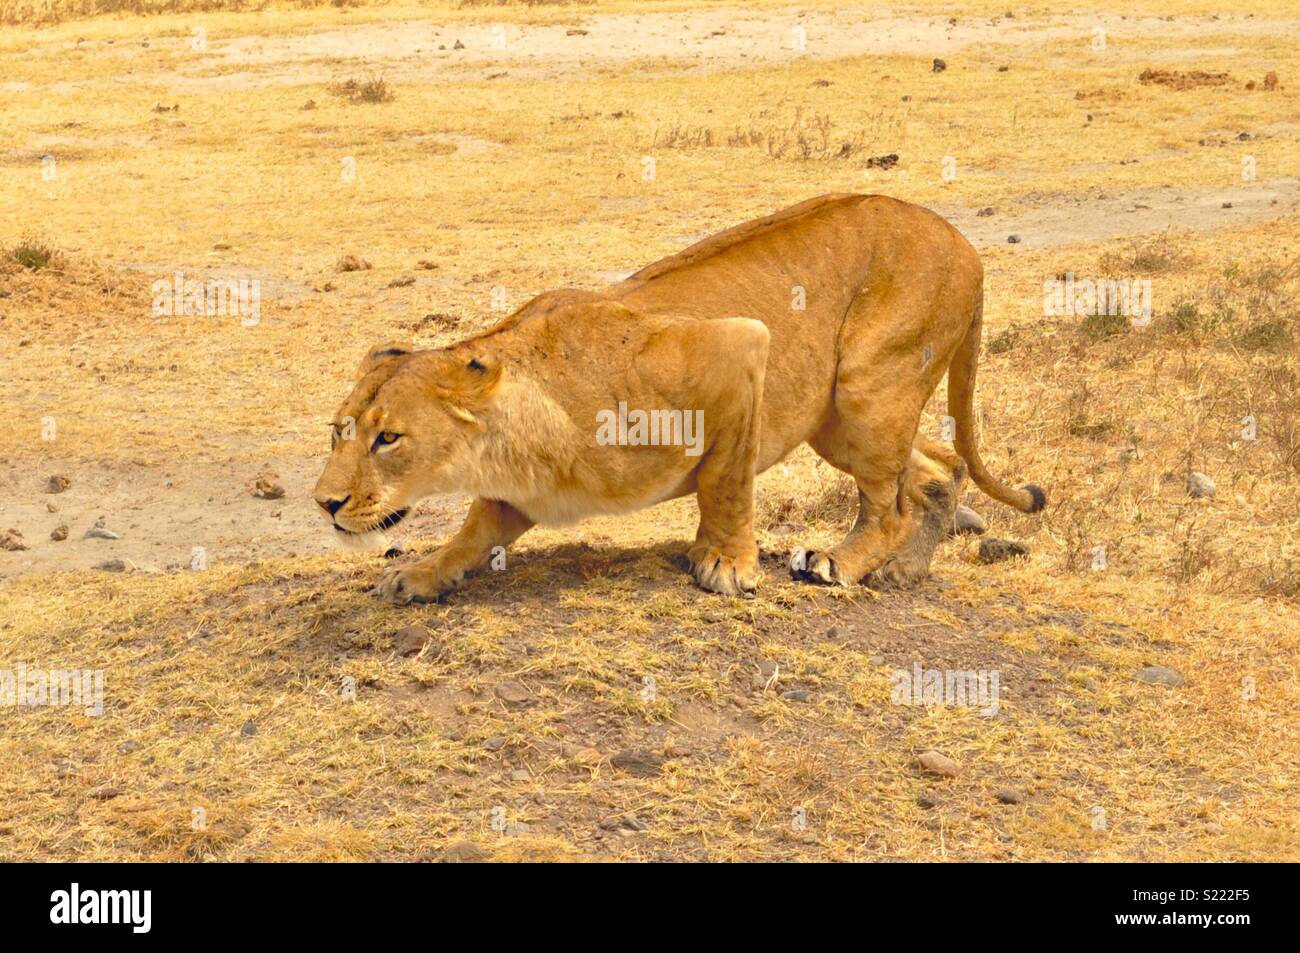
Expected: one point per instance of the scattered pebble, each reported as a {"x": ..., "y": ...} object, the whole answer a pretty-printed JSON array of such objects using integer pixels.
[
  {"x": 586, "y": 757},
  {"x": 927, "y": 800},
  {"x": 515, "y": 695},
  {"x": 940, "y": 764},
  {"x": 1013, "y": 239},
  {"x": 99, "y": 532},
  {"x": 1199, "y": 486},
  {"x": 402, "y": 281},
  {"x": 1010, "y": 796},
  {"x": 639, "y": 762},
  {"x": 1159, "y": 675},
  {"x": 968, "y": 521},
  {"x": 112, "y": 565},
  {"x": 985, "y": 212},
  {"x": 995, "y": 550},
  {"x": 59, "y": 533},
  {"x": 520, "y": 774},
  {"x": 410, "y": 640},
  {"x": 495, "y": 743},
  {"x": 57, "y": 484},
  {"x": 249, "y": 729},
  {"x": 796, "y": 695},
  {"x": 939, "y": 65},
  {"x": 265, "y": 488},
  {"x": 12, "y": 540}
]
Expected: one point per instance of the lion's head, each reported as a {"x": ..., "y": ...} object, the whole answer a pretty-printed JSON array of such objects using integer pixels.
[{"x": 407, "y": 431}]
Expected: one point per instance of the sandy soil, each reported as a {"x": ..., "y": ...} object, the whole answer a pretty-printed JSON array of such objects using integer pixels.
[{"x": 704, "y": 40}]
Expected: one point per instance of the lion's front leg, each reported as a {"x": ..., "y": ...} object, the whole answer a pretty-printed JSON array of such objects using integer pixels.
[{"x": 489, "y": 524}]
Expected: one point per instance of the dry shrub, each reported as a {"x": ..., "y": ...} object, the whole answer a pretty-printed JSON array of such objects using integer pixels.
[{"x": 371, "y": 90}]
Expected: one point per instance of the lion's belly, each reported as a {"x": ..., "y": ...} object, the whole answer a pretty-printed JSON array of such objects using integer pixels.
[{"x": 571, "y": 503}]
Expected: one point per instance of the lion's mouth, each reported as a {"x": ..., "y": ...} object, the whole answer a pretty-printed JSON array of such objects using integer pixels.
[{"x": 387, "y": 523}]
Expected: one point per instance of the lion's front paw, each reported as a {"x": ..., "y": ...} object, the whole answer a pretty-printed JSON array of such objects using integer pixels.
[
  {"x": 715, "y": 571},
  {"x": 820, "y": 568},
  {"x": 418, "y": 582}
]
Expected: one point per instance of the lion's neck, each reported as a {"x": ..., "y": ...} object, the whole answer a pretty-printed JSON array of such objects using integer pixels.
[{"x": 530, "y": 448}]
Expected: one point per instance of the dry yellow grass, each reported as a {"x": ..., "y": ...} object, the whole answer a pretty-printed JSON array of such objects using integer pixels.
[{"x": 533, "y": 180}]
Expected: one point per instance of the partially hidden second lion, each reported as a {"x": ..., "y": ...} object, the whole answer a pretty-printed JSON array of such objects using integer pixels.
[{"x": 828, "y": 323}]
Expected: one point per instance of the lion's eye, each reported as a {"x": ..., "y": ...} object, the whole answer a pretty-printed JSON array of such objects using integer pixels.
[{"x": 385, "y": 438}]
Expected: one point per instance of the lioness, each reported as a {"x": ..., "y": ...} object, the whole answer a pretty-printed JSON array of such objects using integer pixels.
[{"x": 830, "y": 323}]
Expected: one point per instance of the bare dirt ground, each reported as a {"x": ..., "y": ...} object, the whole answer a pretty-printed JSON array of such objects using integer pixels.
[{"x": 588, "y": 703}]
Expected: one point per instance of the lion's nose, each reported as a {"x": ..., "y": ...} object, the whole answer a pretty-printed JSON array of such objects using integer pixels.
[{"x": 332, "y": 506}]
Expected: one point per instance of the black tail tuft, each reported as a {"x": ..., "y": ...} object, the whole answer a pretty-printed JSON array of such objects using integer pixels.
[{"x": 1040, "y": 498}]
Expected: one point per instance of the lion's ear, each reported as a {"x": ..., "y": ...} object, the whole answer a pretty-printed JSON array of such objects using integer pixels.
[
  {"x": 467, "y": 377},
  {"x": 380, "y": 354}
]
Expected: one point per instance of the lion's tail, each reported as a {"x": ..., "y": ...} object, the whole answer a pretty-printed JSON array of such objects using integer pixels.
[{"x": 961, "y": 397}]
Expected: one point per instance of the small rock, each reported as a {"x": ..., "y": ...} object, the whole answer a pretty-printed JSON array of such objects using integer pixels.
[
  {"x": 249, "y": 729},
  {"x": 1227, "y": 205},
  {"x": 402, "y": 281},
  {"x": 985, "y": 212},
  {"x": 105, "y": 792},
  {"x": 458, "y": 45},
  {"x": 59, "y": 533},
  {"x": 463, "y": 852},
  {"x": 99, "y": 532},
  {"x": 639, "y": 762},
  {"x": 520, "y": 774},
  {"x": 796, "y": 695},
  {"x": 636, "y": 824},
  {"x": 995, "y": 550},
  {"x": 410, "y": 640},
  {"x": 51, "y": 508},
  {"x": 1013, "y": 239},
  {"x": 1159, "y": 675},
  {"x": 1270, "y": 80},
  {"x": 265, "y": 488},
  {"x": 575, "y": 32},
  {"x": 1010, "y": 796},
  {"x": 1199, "y": 486},
  {"x": 495, "y": 743},
  {"x": 968, "y": 521},
  {"x": 12, "y": 540},
  {"x": 936, "y": 763},
  {"x": 128, "y": 747},
  {"x": 514, "y": 695},
  {"x": 1213, "y": 828},
  {"x": 586, "y": 757},
  {"x": 57, "y": 484},
  {"x": 939, "y": 65},
  {"x": 927, "y": 800},
  {"x": 112, "y": 565}
]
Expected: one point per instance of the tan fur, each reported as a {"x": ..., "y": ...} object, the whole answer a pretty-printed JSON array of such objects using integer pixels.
[{"x": 891, "y": 298}]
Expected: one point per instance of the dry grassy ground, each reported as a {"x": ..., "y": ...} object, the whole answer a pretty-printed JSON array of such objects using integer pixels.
[{"x": 269, "y": 690}]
